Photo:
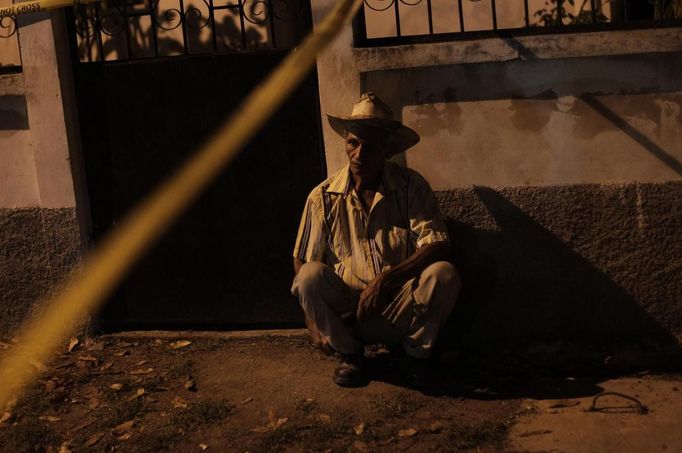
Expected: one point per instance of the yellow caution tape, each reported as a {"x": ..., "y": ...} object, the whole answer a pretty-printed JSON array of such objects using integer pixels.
[
  {"x": 41, "y": 336},
  {"x": 37, "y": 6}
]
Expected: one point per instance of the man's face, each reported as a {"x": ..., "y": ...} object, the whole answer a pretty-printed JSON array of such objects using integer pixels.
[{"x": 367, "y": 151}]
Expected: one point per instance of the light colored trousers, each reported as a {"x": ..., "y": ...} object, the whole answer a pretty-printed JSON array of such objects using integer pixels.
[{"x": 413, "y": 317}]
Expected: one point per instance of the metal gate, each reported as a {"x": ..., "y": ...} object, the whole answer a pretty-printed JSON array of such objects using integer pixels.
[{"x": 144, "y": 106}]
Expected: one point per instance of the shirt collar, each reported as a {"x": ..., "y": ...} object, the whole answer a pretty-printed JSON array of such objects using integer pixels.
[
  {"x": 340, "y": 182},
  {"x": 391, "y": 179}
]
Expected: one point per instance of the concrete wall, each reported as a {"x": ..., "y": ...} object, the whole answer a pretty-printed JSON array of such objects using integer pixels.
[
  {"x": 41, "y": 231},
  {"x": 557, "y": 161}
]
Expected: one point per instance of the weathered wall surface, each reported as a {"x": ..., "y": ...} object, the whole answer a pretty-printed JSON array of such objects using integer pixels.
[
  {"x": 40, "y": 231},
  {"x": 558, "y": 164},
  {"x": 38, "y": 247},
  {"x": 570, "y": 261}
]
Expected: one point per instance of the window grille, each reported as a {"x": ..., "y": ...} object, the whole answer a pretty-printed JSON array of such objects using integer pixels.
[
  {"x": 392, "y": 22},
  {"x": 141, "y": 29}
]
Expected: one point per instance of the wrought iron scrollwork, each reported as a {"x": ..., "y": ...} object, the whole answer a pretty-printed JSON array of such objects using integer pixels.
[
  {"x": 256, "y": 12},
  {"x": 8, "y": 26},
  {"x": 370, "y": 5},
  {"x": 386, "y": 4},
  {"x": 140, "y": 27}
]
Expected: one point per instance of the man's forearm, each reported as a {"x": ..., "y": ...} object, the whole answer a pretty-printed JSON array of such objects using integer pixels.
[{"x": 415, "y": 264}]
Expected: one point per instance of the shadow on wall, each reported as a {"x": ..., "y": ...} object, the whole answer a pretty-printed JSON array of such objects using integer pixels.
[
  {"x": 530, "y": 301},
  {"x": 530, "y": 78}
]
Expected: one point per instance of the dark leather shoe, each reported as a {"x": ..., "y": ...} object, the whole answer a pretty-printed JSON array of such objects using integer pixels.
[{"x": 351, "y": 372}]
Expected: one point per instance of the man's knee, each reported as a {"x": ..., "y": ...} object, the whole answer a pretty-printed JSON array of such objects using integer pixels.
[
  {"x": 444, "y": 274},
  {"x": 439, "y": 287},
  {"x": 309, "y": 278}
]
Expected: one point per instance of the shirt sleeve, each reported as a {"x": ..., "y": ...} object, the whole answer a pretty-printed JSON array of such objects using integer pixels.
[
  {"x": 311, "y": 238},
  {"x": 426, "y": 222}
]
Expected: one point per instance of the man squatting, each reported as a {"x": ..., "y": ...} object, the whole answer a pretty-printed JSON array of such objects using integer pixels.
[{"x": 371, "y": 248}]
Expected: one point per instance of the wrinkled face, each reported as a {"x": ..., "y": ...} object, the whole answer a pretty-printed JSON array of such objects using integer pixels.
[{"x": 367, "y": 150}]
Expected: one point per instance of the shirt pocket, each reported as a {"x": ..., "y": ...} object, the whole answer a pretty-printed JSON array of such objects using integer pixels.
[{"x": 397, "y": 241}]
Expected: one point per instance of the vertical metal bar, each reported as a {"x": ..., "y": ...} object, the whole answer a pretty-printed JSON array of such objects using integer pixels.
[
  {"x": 494, "y": 11},
  {"x": 428, "y": 6},
  {"x": 625, "y": 10},
  {"x": 241, "y": 23},
  {"x": 125, "y": 18},
  {"x": 593, "y": 11},
  {"x": 360, "y": 28},
  {"x": 211, "y": 15},
  {"x": 98, "y": 36},
  {"x": 183, "y": 24},
  {"x": 155, "y": 43},
  {"x": 397, "y": 18},
  {"x": 271, "y": 18},
  {"x": 525, "y": 11},
  {"x": 560, "y": 11},
  {"x": 461, "y": 16}
]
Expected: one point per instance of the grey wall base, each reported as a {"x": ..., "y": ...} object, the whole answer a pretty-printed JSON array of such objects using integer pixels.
[
  {"x": 591, "y": 268},
  {"x": 38, "y": 247}
]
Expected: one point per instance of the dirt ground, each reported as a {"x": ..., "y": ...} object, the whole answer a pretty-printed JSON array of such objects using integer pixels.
[{"x": 274, "y": 393}]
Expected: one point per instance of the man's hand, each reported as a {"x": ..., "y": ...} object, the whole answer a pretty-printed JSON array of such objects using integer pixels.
[{"x": 374, "y": 297}]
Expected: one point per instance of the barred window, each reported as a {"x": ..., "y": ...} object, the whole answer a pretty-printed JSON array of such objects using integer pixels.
[
  {"x": 388, "y": 22},
  {"x": 138, "y": 29}
]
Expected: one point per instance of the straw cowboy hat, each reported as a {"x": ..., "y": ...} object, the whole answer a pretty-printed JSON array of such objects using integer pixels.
[{"x": 370, "y": 111}]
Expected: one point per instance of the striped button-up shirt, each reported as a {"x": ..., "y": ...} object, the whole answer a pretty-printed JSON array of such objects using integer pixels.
[{"x": 359, "y": 246}]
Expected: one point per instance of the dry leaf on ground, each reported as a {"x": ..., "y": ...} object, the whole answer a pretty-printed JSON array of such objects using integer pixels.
[
  {"x": 180, "y": 344},
  {"x": 6, "y": 416},
  {"x": 191, "y": 385},
  {"x": 203, "y": 446},
  {"x": 125, "y": 344},
  {"x": 125, "y": 436},
  {"x": 276, "y": 422},
  {"x": 137, "y": 394},
  {"x": 124, "y": 427},
  {"x": 141, "y": 371},
  {"x": 72, "y": 344},
  {"x": 247, "y": 401},
  {"x": 116, "y": 386},
  {"x": 121, "y": 353},
  {"x": 262, "y": 429},
  {"x": 179, "y": 402},
  {"x": 83, "y": 425},
  {"x": 435, "y": 427},
  {"x": 407, "y": 432},
  {"x": 281, "y": 421},
  {"x": 106, "y": 366},
  {"x": 92, "y": 345},
  {"x": 65, "y": 448},
  {"x": 359, "y": 429},
  {"x": 141, "y": 362},
  {"x": 324, "y": 418},
  {"x": 87, "y": 358},
  {"x": 49, "y": 418},
  {"x": 94, "y": 439},
  {"x": 3, "y": 345}
]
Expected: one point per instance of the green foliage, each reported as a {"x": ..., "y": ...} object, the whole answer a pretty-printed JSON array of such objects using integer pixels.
[{"x": 555, "y": 13}]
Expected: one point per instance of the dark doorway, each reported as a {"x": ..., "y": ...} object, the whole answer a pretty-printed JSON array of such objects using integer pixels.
[{"x": 227, "y": 262}]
